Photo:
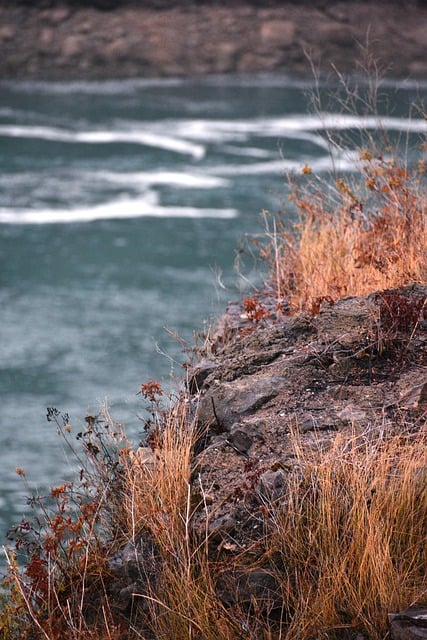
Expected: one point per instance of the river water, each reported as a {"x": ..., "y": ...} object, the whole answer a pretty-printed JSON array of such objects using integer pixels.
[{"x": 122, "y": 206}]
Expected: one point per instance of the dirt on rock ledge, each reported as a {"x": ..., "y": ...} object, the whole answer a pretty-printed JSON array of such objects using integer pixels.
[{"x": 359, "y": 365}]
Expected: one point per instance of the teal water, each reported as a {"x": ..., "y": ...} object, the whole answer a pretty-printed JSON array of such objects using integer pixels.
[{"x": 122, "y": 205}]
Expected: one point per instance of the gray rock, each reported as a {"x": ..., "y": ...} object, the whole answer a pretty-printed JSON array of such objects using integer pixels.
[
  {"x": 272, "y": 484},
  {"x": 220, "y": 528},
  {"x": 411, "y": 624},
  {"x": 7, "y": 32},
  {"x": 347, "y": 321},
  {"x": 415, "y": 396},
  {"x": 405, "y": 630},
  {"x": 126, "y": 562},
  {"x": 256, "y": 587},
  {"x": 46, "y": 39},
  {"x": 59, "y": 14},
  {"x": 278, "y": 33},
  {"x": 164, "y": 38},
  {"x": 72, "y": 45},
  {"x": 133, "y": 567},
  {"x": 116, "y": 50},
  {"x": 240, "y": 440},
  {"x": 198, "y": 374},
  {"x": 221, "y": 406},
  {"x": 352, "y": 415}
]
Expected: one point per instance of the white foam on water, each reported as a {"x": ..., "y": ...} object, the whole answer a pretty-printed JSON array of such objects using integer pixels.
[
  {"x": 8, "y": 112},
  {"x": 189, "y": 134},
  {"x": 282, "y": 80},
  {"x": 121, "y": 209},
  {"x": 169, "y": 178},
  {"x": 91, "y": 87},
  {"x": 256, "y": 168},
  {"x": 346, "y": 162},
  {"x": 247, "y": 152},
  {"x": 43, "y": 133},
  {"x": 315, "y": 139},
  {"x": 292, "y": 126},
  {"x": 141, "y": 137},
  {"x": 145, "y": 138},
  {"x": 89, "y": 178},
  {"x": 133, "y": 85},
  {"x": 211, "y": 130},
  {"x": 334, "y": 121}
]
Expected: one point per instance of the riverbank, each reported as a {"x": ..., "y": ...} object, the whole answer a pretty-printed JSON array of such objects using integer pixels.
[
  {"x": 79, "y": 42},
  {"x": 282, "y": 493}
]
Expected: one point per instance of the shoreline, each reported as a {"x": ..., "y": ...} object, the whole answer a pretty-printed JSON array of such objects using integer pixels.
[{"x": 85, "y": 43}]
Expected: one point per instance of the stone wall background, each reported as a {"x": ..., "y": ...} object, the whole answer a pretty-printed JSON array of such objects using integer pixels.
[{"x": 77, "y": 40}]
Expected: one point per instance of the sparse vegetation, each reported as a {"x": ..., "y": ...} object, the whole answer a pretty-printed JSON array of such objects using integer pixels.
[
  {"x": 352, "y": 237},
  {"x": 346, "y": 543}
]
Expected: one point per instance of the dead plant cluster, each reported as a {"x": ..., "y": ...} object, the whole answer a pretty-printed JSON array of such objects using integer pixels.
[
  {"x": 345, "y": 545},
  {"x": 350, "y": 535},
  {"x": 57, "y": 564},
  {"x": 352, "y": 235}
]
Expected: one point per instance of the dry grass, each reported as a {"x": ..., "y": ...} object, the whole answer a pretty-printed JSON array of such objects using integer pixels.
[
  {"x": 351, "y": 535},
  {"x": 353, "y": 236},
  {"x": 347, "y": 542},
  {"x": 160, "y": 504}
]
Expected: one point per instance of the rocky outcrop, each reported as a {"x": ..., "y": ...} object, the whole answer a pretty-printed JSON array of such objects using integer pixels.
[
  {"x": 360, "y": 363},
  {"x": 357, "y": 366},
  {"x": 83, "y": 42}
]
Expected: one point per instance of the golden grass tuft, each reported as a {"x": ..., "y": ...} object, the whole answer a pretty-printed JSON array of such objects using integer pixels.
[
  {"x": 350, "y": 535},
  {"x": 160, "y": 503},
  {"x": 346, "y": 545},
  {"x": 348, "y": 539},
  {"x": 352, "y": 238}
]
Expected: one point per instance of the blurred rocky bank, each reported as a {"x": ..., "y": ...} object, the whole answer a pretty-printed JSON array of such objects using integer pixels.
[{"x": 102, "y": 39}]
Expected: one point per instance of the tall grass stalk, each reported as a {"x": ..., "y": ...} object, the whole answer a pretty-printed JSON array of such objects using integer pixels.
[
  {"x": 182, "y": 602},
  {"x": 350, "y": 534}
]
